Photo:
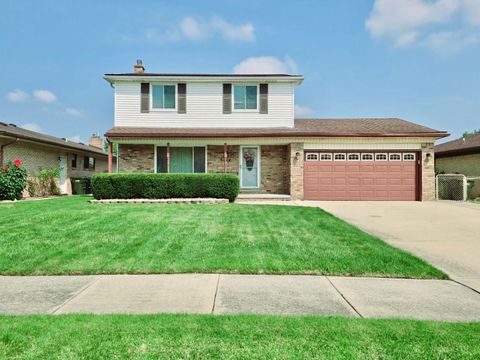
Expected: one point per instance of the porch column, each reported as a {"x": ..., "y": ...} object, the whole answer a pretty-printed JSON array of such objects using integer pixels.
[
  {"x": 225, "y": 158},
  {"x": 110, "y": 156},
  {"x": 168, "y": 158}
]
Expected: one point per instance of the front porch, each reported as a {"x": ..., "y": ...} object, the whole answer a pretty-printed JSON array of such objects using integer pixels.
[{"x": 262, "y": 169}]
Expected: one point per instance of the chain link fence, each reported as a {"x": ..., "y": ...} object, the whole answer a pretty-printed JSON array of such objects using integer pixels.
[{"x": 451, "y": 187}]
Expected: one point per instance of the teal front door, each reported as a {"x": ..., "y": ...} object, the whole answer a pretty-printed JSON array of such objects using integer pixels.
[
  {"x": 249, "y": 167},
  {"x": 181, "y": 160}
]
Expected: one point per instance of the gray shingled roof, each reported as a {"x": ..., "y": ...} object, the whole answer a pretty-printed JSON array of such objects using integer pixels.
[
  {"x": 303, "y": 127},
  {"x": 11, "y": 130},
  {"x": 468, "y": 145}
]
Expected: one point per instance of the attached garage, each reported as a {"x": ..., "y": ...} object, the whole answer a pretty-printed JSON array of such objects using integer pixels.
[{"x": 361, "y": 175}]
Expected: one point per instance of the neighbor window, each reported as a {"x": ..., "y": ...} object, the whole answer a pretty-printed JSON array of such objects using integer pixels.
[
  {"x": 395, "y": 157},
  {"x": 163, "y": 96},
  {"x": 74, "y": 161},
  {"x": 340, "y": 157},
  {"x": 409, "y": 157},
  {"x": 325, "y": 157},
  {"x": 353, "y": 157},
  {"x": 245, "y": 97},
  {"x": 185, "y": 159},
  {"x": 89, "y": 163},
  {"x": 380, "y": 157},
  {"x": 312, "y": 157}
]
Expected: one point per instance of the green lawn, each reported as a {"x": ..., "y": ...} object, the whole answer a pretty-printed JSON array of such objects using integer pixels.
[
  {"x": 72, "y": 236},
  {"x": 232, "y": 337}
]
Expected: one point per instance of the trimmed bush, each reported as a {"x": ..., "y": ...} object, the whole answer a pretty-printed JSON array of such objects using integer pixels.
[{"x": 164, "y": 186}]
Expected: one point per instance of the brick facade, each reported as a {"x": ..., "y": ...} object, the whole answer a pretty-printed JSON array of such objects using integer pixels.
[
  {"x": 428, "y": 172},
  {"x": 295, "y": 168},
  {"x": 281, "y": 166},
  {"x": 136, "y": 158},
  {"x": 36, "y": 157},
  {"x": 215, "y": 159},
  {"x": 273, "y": 165},
  {"x": 274, "y": 169}
]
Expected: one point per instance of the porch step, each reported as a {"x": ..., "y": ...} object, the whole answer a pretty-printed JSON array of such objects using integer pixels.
[{"x": 258, "y": 196}]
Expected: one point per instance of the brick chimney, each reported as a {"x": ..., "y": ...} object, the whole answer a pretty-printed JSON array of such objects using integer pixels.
[
  {"x": 138, "y": 68},
  {"x": 96, "y": 141}
]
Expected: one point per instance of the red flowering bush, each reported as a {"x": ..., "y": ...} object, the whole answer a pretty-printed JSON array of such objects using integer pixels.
[{"x": 13, "y": 180}]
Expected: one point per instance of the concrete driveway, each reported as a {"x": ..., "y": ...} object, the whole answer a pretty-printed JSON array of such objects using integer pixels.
[{"x": 446, "y": 234}]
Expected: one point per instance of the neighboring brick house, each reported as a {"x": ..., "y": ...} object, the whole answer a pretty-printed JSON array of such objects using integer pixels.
[
  {"x": 38, "y": 151},
  {"x": 460, "y": 156},
  {"x": 244, "y": 124}
]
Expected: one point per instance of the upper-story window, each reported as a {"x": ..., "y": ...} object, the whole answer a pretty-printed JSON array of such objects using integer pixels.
[
  {"x": 245, "y": 97},
  {"x": 164, "y": 96}
]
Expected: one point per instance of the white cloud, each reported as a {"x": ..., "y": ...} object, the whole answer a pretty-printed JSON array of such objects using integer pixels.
[
  {"x": 17, "y": 95},
  {"x": 75, "y": 138},
  {"x": 45, "y": 96},
  {"x": 32, "y": 127},
  {"x": 438, "y": 24},
  {"x": 450, "y": 41},
  {"x": 244, "y": 32},
  {"x": 301, "y": 111},
  {"x": 73, "y": 112},
  {"x": 194, "y": 29},
  {"x": 472, "y": 11},
  {"x": 266, "y": 65}
]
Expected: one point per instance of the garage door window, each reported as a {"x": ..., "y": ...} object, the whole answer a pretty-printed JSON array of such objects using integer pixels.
[
  {"x": 381, "y": 157},
  {"x": 325, "y": 157},
  {"x": 395, "y": 157},
  {"x": 353, "y": 157},
  {"x": 340, "y": 157},
  {"x": 312, "y": 157},
  {"x": 367, "y": 157},
  {"x": 409, "y": 157}
]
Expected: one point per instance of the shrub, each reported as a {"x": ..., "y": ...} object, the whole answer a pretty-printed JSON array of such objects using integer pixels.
[
  {"x": 164, "y": 186},
  {"x": 13, "y": 180},
  {"x": 44, "y": 183}
]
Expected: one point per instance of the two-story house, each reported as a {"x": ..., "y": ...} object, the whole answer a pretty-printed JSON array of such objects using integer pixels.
[{"x": 244, "y": 124}]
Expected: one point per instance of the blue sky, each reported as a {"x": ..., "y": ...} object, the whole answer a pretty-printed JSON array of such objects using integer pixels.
[{"x": 414, "y": 59}]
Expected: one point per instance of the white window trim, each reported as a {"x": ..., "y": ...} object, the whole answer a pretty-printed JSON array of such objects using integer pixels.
[
  {"x": 413, "y": 154},
  {"x": 240, "y": 160},
  {"x": 372, "y": 159},
  {"x": 246, "y": 110},
  {"x": 193, "y": 157},
  {"x": 358, "y": 154},
  {"x": 390, "y": 157},
  {"x": 330, "y": 154},
  {"x": 309, "y": 153},
  {"x": 335, "y": 154},
  {"x": 386, "y": 157},
  {"x": 160, "y": 109}
]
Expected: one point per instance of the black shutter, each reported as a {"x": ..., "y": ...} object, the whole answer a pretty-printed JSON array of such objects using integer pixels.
[
  {"x": 145, "y": 98},
  {"x": 182, "y": 98},
  {"x": 227, "y": 98},
  {"x": 263, "y": 98}
]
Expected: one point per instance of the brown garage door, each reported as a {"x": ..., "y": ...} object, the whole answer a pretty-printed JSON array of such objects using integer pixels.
[{"x": 360, "y": 175}]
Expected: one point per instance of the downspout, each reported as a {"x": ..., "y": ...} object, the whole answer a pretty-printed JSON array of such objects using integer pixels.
[{"x": 3, "y": 147}]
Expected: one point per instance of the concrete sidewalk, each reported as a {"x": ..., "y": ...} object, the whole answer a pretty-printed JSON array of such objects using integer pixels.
[{"x": 235, "y": 294}]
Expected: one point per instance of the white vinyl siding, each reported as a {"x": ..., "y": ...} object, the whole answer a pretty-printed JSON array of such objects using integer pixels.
[{"x": 204, "y": 108}]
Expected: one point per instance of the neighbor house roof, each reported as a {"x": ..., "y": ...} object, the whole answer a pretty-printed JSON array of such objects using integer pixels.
[
  {"x": 12, "y": 131},
  {"x": 202, "y": 77},
  {"x": 375, "y": 127},
  {"x": 461, "y": 146}
]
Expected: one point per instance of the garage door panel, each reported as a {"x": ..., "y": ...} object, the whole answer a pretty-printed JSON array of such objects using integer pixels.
[{"x": 360, "y": 180}]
